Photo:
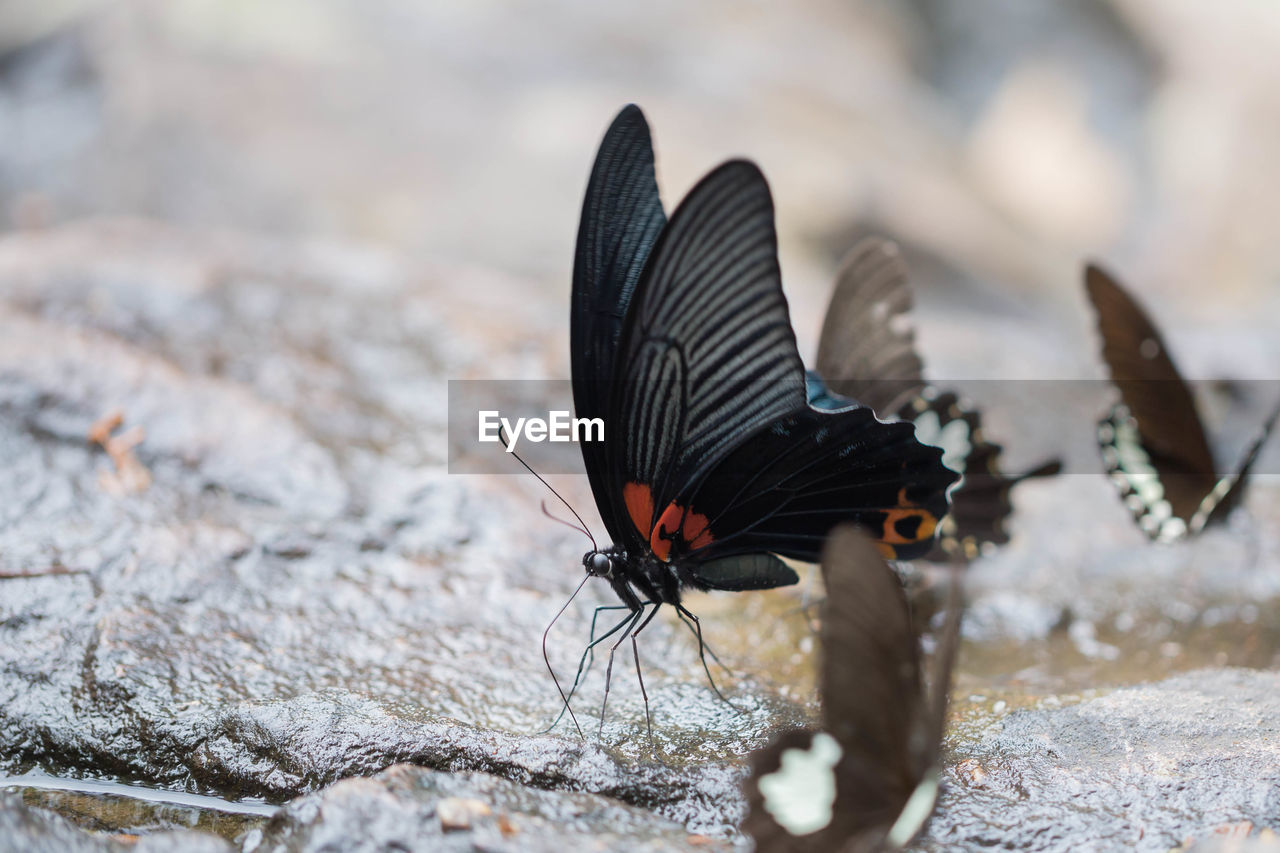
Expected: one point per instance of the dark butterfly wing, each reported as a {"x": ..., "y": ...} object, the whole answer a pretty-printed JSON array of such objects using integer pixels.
[
  {"x": 886, "y": 732},
  {"x": 621, "y": 219},
  {"x": 981, "y": 502},
  {"x": 1229, "y": 491},
  {"x": 1157, "y": 398},
  {"x": 784, "y": 488},
  {"x": 867, "y": 349},
  {"x": 746, "y": 571},
  {"x": 707, "y": 353},
  {"x": 873, "y": 698},
  {"x": 710, "y": 385}
]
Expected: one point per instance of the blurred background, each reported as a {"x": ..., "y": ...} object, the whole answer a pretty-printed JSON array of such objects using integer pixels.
[{"x": 1001, "y": 142}]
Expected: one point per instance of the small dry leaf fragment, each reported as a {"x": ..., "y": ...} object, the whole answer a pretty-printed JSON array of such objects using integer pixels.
[
  {"x": 102, "y": 428},
  {"x": 457, "y": 813},
  {"x": 506, "y": 827},
  {"x": 130, "y": 475},
  {"x": 971, "y": 771}
]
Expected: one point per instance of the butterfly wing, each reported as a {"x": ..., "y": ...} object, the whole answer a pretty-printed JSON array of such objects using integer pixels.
[
  {"x": 867, "y": 349},
  {"x": 710, "y": 386},
  {"x": 621, "y": 219},
  {"x": 784, "y": 488},
  {"x": 806, "y": 793},
  {"x": 981, "y": 502},
  {"x": 1158, "y": 400},
  {"x": 1229, "y": 491},
  {"x": 707, "y": 353}
]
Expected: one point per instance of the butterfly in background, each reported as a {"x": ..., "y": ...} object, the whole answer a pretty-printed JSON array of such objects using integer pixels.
[
  {"x": 1153, "y": 442},
  {"x": 868, "y": 779},
  {"x": 713, "y": 463},
  {"x": 867, "y": 353}
]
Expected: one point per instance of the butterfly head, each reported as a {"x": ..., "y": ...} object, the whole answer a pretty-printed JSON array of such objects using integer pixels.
[{"x": 598, "y": 564}]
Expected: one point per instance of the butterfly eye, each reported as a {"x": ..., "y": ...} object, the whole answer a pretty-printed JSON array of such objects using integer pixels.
[{"x": 599, "y": 565}]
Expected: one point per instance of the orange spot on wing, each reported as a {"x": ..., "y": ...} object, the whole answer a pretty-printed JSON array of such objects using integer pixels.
[
  {"x": 891, "y": 535},
  {"x": 639, "y": 501},
  {"x": 905, "y": 510}
]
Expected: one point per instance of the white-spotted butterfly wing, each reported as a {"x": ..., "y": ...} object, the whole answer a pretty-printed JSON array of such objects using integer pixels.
[
  {"x": 1152, "y": 442},
  {"x": 867, "y": 353},
  {"x": 868, "y": 779}
]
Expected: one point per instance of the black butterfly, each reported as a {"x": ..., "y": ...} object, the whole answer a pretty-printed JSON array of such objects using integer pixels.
[
  {"x": 1153, "y": 443},
  {"x": 713, "y": 462},
  {"x": 867, "y": 353},
  {"x": 868, "y": 780}
]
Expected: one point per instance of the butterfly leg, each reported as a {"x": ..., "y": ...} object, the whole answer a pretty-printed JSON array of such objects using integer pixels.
[
  {"x": 635, "y": 651},
  {"x": 590, "y": 650},
  {"x": 703, "y": 650},
  {"x": 589, "y": 653},
  {"x": 630, "y": 621}
]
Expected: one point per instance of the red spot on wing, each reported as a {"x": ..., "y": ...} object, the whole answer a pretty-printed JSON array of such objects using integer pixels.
[
  {"x": 691, "y": 527},
  {"x": 639, "y": 501}
]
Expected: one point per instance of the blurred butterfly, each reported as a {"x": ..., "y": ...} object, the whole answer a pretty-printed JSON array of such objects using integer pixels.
[
  {"x": 867, "y": 353},
  {"x": 713, "y": 463},
  {"x": 1153, "y": 443},
  {"x": 868, "y": 780}
]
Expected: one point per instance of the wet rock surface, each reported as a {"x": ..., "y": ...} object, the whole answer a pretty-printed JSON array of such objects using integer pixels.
[
  {"x": 300, "y": 594},
  {"x": 411, "y": 809},
  {"x": 24, "y": 829},
  {"x": 1141, "y": 768}
]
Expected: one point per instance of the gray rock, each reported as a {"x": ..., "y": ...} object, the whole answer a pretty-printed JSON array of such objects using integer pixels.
[
  {"x": 412, "y": 809},
  {"x": 301, "y": 594},
  {"x": 1142, "y": 768}
]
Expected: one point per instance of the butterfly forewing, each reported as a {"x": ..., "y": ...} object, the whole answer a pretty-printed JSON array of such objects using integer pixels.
[
  {"x": 846, "y": 787},
  {"x": 708, "y": 354},
  {"x": 871, "y": 683},
  {"x": 867, "y": 349},
  {"x": 621, "y": 218}
]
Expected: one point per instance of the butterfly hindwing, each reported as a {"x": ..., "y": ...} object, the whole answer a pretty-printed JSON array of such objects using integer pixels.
[
  {"x": 786, "y": 486},
  {"x": 867, "y": 353},
  {"x": 1229, "y": 491},
  {"x": 621, "y": 218},
  {"x": 1155, "y": 395},
  {"x": 981, "y": 502}
]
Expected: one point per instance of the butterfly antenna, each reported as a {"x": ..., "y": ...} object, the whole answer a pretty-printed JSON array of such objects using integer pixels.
[
  {"x": 568, "y": 524},
  {"x": 547, "y": 660},
  {"x": 502, "y": 435}
]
